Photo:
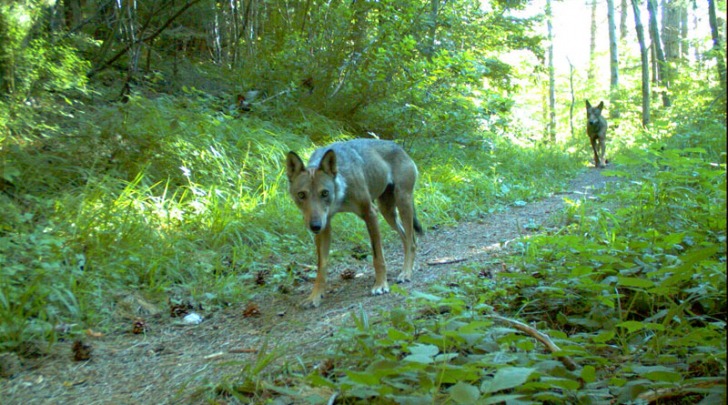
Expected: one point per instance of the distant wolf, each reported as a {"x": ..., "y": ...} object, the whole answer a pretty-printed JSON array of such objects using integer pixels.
[
  {"x": 348, "y": 177},
  {"x": 596, "y": 128}
]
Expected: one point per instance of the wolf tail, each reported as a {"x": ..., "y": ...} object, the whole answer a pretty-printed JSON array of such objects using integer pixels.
[{"x": 417, "y": 225}]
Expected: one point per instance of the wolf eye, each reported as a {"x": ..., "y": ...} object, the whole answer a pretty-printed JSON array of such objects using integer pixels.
[
  {"x": 301, "y": 195},
  {"x": 324, "y": 193}
]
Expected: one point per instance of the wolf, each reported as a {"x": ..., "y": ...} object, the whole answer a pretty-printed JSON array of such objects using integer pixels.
[
  {"x": 596, "y": 128},
  {"x": 348, "y": 177}
]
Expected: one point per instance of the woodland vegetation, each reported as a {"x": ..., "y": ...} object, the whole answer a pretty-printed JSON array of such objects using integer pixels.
[{"x": 141, "y": 151}]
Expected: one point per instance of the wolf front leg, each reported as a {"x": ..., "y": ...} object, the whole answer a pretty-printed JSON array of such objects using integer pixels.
[
  {"x": 595, "y": 149},
  {"x": 602, "y": 151},
  {"x": 323, "y": 241}
]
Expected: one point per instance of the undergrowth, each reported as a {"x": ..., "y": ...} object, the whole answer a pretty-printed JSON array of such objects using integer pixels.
[
  {"x": 182, "y": 198},
  {"x": 628, "y": 290}
]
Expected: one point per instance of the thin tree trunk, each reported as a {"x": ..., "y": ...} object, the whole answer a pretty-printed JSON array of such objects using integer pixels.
[
  {"x": 434, "y": 10},
  {"x": 718, "y": 48},
  {"x": 552, "y": 81},
  {"x": 645, "y": 63},
  {"x": 696, "y": 47},
  {"x": 72, "y": 13},
  {"x": 7, "y": 57},
  {"x": 623, "y": 20},
  {"x": 653, "y": 66},
  {"x": 659, "y": 54},
  {"x": 234, "y": 32},
  {"x": 671, "y": 29},
  {"x": 573, "y": 99},
  {"x": 613, "y": 61},
  {"x": 670, "y": 39},
  {"x": 216, "y": 34},
  {"x": 591, "y": 73},
  {"x": 141, "y": 38},
  {"x": 684, "y": 43}
]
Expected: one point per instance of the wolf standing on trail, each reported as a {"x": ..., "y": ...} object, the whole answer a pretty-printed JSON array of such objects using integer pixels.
[
  {"x": 348, "y": 177},
  {"x": 596, "y": 128}
]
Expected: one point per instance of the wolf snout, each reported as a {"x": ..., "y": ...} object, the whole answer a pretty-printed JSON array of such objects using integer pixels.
[{"x": 315, "y": 226}]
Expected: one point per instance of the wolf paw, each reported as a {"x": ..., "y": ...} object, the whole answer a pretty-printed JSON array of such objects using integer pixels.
[
  {"x": 313, "y": 301},
  {"x": 382, "y": 289},
  {"x": 404, "y": 278}
]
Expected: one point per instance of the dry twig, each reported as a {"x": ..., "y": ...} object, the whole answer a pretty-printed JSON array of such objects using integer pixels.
[
  {"x": 445, "y": 261},
  {"x": 541, "y": 337},
  {"x": 665, "y": 394}
]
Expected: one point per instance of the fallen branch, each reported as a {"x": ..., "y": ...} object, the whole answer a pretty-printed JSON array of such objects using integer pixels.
[
  {"x": 541, "y": 337},
  {"x": 445, "y": 261},
  {"x": 675, "y": 392},
  {"x": 214, "y": 355}
]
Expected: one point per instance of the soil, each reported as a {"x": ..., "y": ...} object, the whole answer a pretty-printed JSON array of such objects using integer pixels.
[{"x": 170, "y": 361}]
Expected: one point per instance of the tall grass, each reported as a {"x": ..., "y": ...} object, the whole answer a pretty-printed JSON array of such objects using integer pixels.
[{"x": 176, "y": 198}]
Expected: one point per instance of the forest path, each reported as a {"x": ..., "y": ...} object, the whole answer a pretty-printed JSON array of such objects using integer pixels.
[{"x": 169, "y": 362}]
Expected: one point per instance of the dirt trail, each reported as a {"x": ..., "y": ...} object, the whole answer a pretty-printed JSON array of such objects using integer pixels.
[{"x": 169, "y": 362}]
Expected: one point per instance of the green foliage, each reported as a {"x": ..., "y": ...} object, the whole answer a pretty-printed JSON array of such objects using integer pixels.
[
  {"x": 631, "y": 289},
  {"x": 389, "y": 67},
  {"x": 179, "y": 194},
  {"x": 30, "y": 61},
  {"x": 647, "y": 279},
  {"x": 175, "y": 196},
  {"x": 467, "y": 179},
  {"x": 152, "y": 196},
  {"x": 34, "y": 294}
]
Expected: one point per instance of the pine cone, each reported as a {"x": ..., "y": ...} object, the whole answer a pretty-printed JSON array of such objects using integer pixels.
[
  {"x": 251, "y": 310},
  {"x": 81, "y": 351},
  {"x": 139, "y": 327},
  {"x": 179, "y": 310},
  {"x": 348, "y": 274},
  {"x": 261, "y": 276}
]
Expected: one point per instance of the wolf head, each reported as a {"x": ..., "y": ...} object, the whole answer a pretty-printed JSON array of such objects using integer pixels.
[
  {"x": 593, "y": 114},
  {"x": 313, "y": 189}
]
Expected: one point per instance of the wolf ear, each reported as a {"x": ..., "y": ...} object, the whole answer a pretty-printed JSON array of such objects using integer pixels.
[
  {"x": 588, "y": 105},
  {"x": 601, "y": 105},
  {"x": 294, "y": 165},
  {"x": 328, "y": 163}
]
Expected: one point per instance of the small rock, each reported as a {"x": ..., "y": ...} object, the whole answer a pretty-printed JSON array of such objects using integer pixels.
[{"x": 192, "y": 319}]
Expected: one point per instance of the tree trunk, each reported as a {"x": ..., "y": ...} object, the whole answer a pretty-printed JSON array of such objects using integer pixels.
[
  {"x": 552, "y": 86},
  {"x": 670, "y": 39},
  {"x": 671, "y": 29},
  {"x": 141, "y": 38},
  {"x": 653, "y": 66},
  {"x": 72, "y": 13},
  {"x": 7, "y": 60},
  {"x": 658, "y": 52},
  {"x": 434, "y": 10},
  {"x": 718, "y": 49},
  {"x": 623, "y": 20},
  {"x": 645, "y": 63},
  {"x": 684, "y": 43},
  {"x": 573, "y": 99},
  {"x": 613, "y": 61},
  {"x": 696, "y": 47},
  {"x": 591, "y": 73}
]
